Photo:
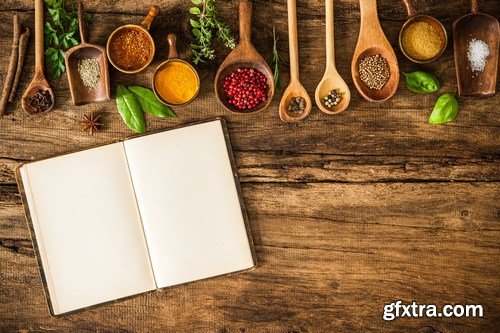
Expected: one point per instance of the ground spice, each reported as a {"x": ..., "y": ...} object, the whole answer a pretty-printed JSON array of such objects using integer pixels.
[
  {"x": 177, "y": 83},
  {"x": 421, "y": 41},
  {"x": 130, "y": 49},
  {"x": 90, "y": 72},
  {"x": 374, "y": 71}
]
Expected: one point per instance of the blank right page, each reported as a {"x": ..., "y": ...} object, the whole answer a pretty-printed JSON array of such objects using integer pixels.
[{"x": 189, "y": 204}]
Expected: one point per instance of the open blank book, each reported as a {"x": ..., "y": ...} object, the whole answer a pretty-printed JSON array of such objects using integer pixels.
[{"x": 130, "y": 217}]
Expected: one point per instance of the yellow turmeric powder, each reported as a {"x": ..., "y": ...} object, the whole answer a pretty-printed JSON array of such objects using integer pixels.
[{"x": 177, "y": 82}]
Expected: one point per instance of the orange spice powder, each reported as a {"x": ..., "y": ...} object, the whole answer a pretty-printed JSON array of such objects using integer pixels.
[
  {"x": 130, "y": 49},
  {"x": 177, "y": 83}
]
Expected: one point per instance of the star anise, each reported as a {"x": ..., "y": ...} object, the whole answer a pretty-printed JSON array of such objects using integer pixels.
[{"x": 91, "y": 123}]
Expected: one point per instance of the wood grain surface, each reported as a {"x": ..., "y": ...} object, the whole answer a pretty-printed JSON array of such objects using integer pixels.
[{"x": 349, "y": 212}]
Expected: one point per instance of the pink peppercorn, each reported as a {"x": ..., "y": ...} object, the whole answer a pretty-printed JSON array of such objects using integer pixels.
[{"x": 245, "y": 88}]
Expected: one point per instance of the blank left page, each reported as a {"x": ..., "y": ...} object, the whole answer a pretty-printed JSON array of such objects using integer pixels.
[{"x": 87, "y": 227}]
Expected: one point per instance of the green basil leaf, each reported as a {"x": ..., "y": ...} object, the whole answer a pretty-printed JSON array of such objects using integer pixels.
[
  {"x": 197, "y": 2},
  {"x": 150, "y": 103},
  {"x": 130, "y": 110},
  {"x": 421, "y": 82},
  {"x": 445, "y": 110}
]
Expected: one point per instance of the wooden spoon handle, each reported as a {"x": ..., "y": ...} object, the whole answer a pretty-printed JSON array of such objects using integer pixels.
[
  {"x": 245, "y": 17},
  {"x": 172, "y": 46},
  {"x": 292, "y": 40},
  {"x": 81, "y": 23},
  {"x": 153, "y": 12},
  {"x": 370, "y": 31},
  {"x": 474, "y": 6},
  {"x": 330, "y": 44},
  {"x": 39, "y": 36},
  {"x": 409, "y": 8}
]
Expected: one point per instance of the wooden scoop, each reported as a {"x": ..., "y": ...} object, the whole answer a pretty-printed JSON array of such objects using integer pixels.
[
  {"x": 413, "y": 17},
  {"x": 243, "y": 55},
  {"x": 331, "y": 79},
  {"x": 482, "y": 27},
  {"x": 295, "y": 88},
  {"x": 372, "y": 41},
  {"x": 39, "y": 82},
  {"x": 79, "y": 92}
]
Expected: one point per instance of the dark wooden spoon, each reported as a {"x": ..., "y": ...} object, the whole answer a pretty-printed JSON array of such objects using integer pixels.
[
  {"x": 479, "y": 26},
  {"x": 79, "y": 92},
  {"x": 39, "y": 83},
  {"x": 243, "y": 55}
]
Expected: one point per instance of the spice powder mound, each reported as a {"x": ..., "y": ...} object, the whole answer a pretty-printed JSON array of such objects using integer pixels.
[
  {"x": 421, "y": 41},
  {"x": 130, "y": 49}
]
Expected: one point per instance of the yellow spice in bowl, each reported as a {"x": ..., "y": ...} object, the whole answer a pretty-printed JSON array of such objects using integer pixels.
[
  {"x": 421, "y": 41},
  {"x": 177, "y": 83}
]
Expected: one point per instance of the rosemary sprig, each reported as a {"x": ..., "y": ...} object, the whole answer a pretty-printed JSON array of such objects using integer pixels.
[
  {"x": 275, "y": 62},
  {"x": 206, "y": 25}
]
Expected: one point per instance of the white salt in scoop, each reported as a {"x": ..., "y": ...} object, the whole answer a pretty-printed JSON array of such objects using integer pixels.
[{"x": 477, "y": 53}]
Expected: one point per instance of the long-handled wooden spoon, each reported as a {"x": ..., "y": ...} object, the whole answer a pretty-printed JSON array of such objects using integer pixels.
[
  {"x": 479, "y": 26},
  {"x": 372, "y": 41},
  {"x": 243, "y": 55},
  {"x": 295, "y": 88},
  {"x": 39, "y": 82},
  {"x": 331, "y": 79}
]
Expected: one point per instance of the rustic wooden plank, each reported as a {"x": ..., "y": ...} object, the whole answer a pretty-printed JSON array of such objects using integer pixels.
[
  {"x": 453, "y": 206},
  {"x": 330, "y": 266},
  {"x": 446, "y": 11},
  {"x": 286, "y": 167}
]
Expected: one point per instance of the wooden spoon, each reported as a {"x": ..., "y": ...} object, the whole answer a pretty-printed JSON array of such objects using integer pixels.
[
  {"x": 479, "y": 26},
  {"x": 39, "y": 82},
  {"x": 295, "y": 88},
  {"x": 79, "y": 92},
  {"x": 243, "y": 55},
  {"x": 372, "y": 41},
  {"x": 331, "y": 79},
  {"x": 413, "y": 17}
]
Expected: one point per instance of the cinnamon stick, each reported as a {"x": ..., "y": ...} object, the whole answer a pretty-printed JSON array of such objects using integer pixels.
[
  {"x": 12, "y": 64},
  {"x": 23, "y": 45}
]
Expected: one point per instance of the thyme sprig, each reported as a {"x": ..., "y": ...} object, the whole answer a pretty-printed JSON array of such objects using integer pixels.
[
  {"x": 275, "y": 62},
  {"x": 205, "y": 27}
]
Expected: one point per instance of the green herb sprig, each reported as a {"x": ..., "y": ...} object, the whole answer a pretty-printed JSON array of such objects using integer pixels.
[
  {"x": 275, "y": 62},
  {"x": 205, "y": 27},
  {"x": 133, "y": 101},
  {"x": 60, "y": 35}
]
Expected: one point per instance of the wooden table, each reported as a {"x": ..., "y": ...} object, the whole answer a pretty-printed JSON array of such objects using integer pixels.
[{"x": 348, "y": 212}]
